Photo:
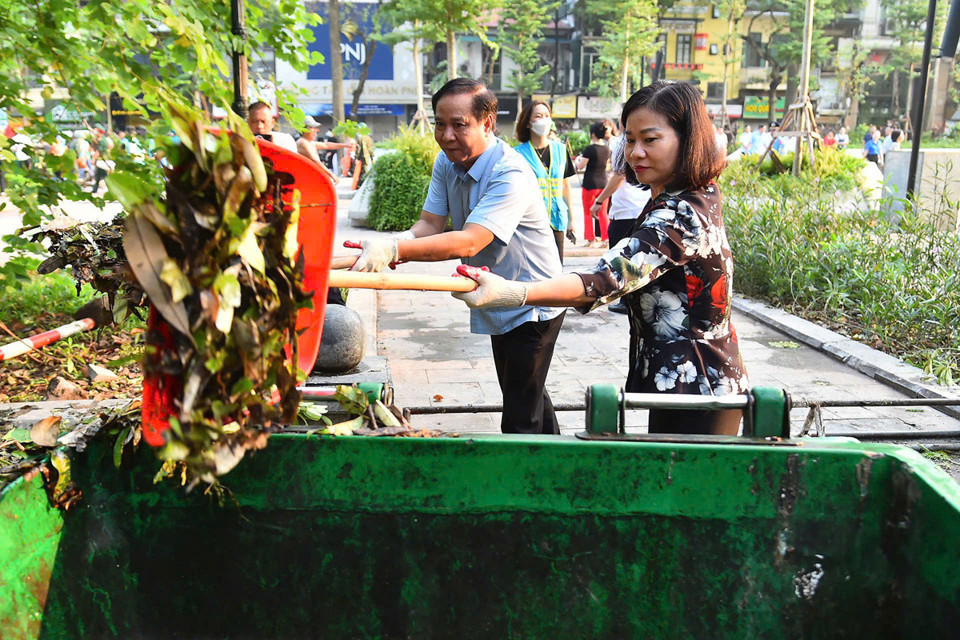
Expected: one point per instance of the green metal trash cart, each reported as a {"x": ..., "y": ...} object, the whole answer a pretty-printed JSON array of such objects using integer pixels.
[{"x": 604, "y": 535}]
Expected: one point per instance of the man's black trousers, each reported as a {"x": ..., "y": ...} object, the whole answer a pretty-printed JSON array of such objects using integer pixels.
[{"x": 522, "y": 357}]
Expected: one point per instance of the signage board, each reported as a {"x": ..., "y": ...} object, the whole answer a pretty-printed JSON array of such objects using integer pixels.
[
  {"x": 733, "y": 110},
  {"x": 563, "y": 106},
  {"x": 353, "y": 51},
  {"x": 757, "y": 107},
  {"x": 597, "y": 108},
  {"x": 326, "y": 109}
]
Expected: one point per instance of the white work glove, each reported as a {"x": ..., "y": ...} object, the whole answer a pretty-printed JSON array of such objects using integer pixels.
[
  {"x": 491, "y": 291},
  {"x": 378, "y": 253}
]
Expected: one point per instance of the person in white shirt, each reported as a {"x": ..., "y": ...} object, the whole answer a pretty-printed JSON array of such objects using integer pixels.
[
  {"x": 261, "y": 121},
  {"x": 843, "y": 138},
  {"x": 746, "y": 139},
  {"x": 721, "y": 139},
  {"x": 888, "y": 139},
  {"x": 627, "y": 202},
  {"x": 762, "y": 139}
]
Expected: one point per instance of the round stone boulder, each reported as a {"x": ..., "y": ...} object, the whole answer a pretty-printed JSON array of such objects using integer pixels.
[{"x": 343, "y": 341}]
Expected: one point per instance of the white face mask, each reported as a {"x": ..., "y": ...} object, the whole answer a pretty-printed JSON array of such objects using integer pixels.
[{"x": 541, "y": 127}]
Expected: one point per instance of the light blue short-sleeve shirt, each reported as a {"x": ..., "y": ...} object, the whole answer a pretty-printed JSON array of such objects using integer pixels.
[{"x": 500, "y": 193}]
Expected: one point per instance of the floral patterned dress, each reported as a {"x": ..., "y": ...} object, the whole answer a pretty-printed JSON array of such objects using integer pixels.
[{"x": 675, "y": 273}]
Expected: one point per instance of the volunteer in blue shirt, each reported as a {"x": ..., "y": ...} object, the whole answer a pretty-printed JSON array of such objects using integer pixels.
[
  {"x": 552, "y": 165},
  {"x": 490, "y": 195},
  {"x": 873, "y": 148}
]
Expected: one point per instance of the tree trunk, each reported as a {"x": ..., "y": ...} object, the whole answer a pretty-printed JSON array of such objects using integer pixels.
[
  {"x": 895, "y": 101},
  {"x": 451, "y": 55},
  {"x": 556, "y": 55},
  {"x": 519, "y": 90},
  {"x": 336, "y": 62},
  {"x": 790, "y": 97},
  {"x": 727, "y": 54},
  {"x": 364, "y": 72},
  {"x": 775, "y": 78},
  {"x": 853, "y": 114},
  {"x": 418, "y": 71},
  {"x": 910, "y": 83},
  {"x": 624, "y": 72}
]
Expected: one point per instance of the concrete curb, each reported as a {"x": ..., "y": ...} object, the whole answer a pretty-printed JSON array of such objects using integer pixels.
[{"x": 880, "y": 366}]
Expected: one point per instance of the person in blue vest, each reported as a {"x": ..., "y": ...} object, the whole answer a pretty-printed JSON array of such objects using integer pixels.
[{"x": 552, "y": 165}]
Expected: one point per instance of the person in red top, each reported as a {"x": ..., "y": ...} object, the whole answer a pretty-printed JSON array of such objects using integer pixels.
[
  {"x": 593, "y": 162},
  {"x": 829, "y": 140}
]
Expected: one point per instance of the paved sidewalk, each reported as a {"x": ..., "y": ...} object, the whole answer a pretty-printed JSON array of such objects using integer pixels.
[
  {"x": 435, "y": 360},
  {"x": 425, "y": 338}
]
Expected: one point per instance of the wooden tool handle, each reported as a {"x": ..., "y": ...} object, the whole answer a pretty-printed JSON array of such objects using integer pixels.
[
  {"x": 402, "y": 281},
  {"x": 343, "y": 262}
]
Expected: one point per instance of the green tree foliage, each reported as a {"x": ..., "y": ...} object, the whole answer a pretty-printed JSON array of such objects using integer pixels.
[
  {"x": 147, "y": 52},
  {"x": 630, "y": 31},
  {"x": 521, "y": 31},
  {"x": 782, "y": 47},
  {"x": 909, "y": 21},
  {"x": 855, "y": 72},
  {"x": 425, "y": 21},
  {"x": 404, "y": 22}
]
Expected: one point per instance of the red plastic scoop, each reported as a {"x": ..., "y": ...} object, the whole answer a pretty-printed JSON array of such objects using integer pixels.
[{"x": 318, "y": 221}]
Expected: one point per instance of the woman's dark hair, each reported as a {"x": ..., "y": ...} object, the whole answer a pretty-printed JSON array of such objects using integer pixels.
[
  {"x": 523, "y": 120},
  {"x": 484, "y": 101},
  {"x": 598, "y": 130},
  {"x": 895, "y": 135},
  {"x": 698, "y": 159}
]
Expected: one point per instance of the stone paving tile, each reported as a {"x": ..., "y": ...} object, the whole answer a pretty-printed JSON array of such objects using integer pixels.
[
  {"x": 451, "y": 393},
  {"x": 479, "y": 423},
  {"x": 462, "y": 374},
  {"x": 433, "y": 330}
]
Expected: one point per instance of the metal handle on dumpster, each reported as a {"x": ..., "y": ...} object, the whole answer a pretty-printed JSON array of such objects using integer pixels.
[{"x": 766, "y": 410}]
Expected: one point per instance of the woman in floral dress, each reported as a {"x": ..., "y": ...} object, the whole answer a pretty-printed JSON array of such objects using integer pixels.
[{"x": 674, "y": 271}]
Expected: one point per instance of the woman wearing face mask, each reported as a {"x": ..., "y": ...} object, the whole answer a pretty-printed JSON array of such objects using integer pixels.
[
  {"x": 674, "y": 271},
  {"x": 552, "y": 166}
]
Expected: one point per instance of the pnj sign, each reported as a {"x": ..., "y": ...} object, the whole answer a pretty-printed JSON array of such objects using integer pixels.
[{"x": 353, "y": 52}]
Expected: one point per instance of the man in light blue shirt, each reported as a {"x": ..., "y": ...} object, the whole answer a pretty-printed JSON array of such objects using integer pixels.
[{"x": 499, "y": 221}]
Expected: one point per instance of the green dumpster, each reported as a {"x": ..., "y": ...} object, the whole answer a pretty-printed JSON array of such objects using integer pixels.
[{"x": 495, "y": 537}]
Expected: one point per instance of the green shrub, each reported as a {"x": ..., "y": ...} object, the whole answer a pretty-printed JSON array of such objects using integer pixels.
[
  {"x": 509, "y": 139},
  {"x": 894, "y": 285},
  {"x": 577, "y": 141},
  {"x": 401, "y": 180},
  {"x": 835, "y": 171},
  {"x": 421, "y": 148},
  {"x": 399, "y": 191},
  {"x": 42, "y": 296}
]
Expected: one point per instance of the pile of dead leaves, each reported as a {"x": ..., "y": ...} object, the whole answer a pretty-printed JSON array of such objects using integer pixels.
[
  {"x": 29, "y": 377},
  {"x": 41, "y": 446},
  {"x": 370, "y": 416},
  {"x": 94, "y": 253},
  {"x": 217, "y": 257}
]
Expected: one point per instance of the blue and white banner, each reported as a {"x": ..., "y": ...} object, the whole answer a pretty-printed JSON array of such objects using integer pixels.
[{"x": 353, "y": 52}]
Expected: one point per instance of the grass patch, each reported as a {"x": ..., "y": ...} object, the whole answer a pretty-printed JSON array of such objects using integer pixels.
[
  {"x": 46, "y": 302},
  {"x": 892, "y": 284},
  {"x": 42, "y": 297}
]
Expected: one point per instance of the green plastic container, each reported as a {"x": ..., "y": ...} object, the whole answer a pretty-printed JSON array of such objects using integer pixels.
[{"x": 496, "y": 537}]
